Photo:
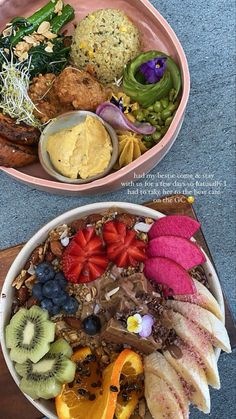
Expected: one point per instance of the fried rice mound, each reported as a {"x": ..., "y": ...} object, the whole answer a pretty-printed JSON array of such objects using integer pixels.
[{"x": 105, "y": 40}]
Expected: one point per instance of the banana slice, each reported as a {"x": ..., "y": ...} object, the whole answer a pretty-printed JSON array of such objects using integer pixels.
[
  {"x": 199, "y": 341},
  {"x": 161, "y": 401},
  {"x": 206, "y": 320},
  {"x": 158, "y": 365},
  {"x": 188, "y": 368},
  {"x": 203, "y": 298}
]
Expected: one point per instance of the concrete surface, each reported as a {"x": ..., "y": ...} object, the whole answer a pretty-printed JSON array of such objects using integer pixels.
[{"x": 205, "y": 147}]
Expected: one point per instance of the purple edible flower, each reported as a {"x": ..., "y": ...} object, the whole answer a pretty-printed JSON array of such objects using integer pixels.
[
  {"x": 147, "y": 323},
  {"x": 118, "y": 103},
  {"x": 154, "y": 70}
]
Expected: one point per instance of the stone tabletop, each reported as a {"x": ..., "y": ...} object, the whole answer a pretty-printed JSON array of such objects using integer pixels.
[{"x": 201, "y": 162}]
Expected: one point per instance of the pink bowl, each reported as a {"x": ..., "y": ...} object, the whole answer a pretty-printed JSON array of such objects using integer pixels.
[{"x": 157, "y": 34}]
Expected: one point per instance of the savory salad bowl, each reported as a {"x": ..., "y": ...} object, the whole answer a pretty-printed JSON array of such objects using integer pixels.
[
  {"x": 157, "y": 34},
  {"x": 47, "y": 407}
]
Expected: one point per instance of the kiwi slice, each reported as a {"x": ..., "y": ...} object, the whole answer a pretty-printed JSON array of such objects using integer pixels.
[
  {"x": 45, "y": 378},
  {"x": 29, "y": 334},
  {"x": 61, "y": 346}
]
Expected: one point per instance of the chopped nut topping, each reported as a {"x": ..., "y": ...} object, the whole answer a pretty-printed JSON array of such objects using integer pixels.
[
  {"x": 88, "y": 298},
  {"x": 20, "y": 279},
  {"x": 29, "y": 282}
]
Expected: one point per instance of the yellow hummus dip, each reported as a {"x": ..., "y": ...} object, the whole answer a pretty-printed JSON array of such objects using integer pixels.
[{"x": 81, "y": 151}]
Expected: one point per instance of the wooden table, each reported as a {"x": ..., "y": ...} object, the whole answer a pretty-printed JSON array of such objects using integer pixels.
[{"x": 13, "y": 404}]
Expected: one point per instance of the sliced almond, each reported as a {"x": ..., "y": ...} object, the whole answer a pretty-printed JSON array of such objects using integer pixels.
[
  {"x": 49, "y": 35},
  {"x": 58, "y": 7},
  {"x": 7, "y": 32},
  {"x": 22, "y": 47},
  {"x": 24, "y": 56},
  {"x": 31, "y": 40},
  {"x": 38, "y": 37},
  {"x": 49, "y": 47},
  {"x": 43, "y": 27}
]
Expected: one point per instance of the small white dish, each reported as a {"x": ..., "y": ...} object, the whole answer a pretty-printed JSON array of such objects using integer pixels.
[{"x": 68, "y": 120}]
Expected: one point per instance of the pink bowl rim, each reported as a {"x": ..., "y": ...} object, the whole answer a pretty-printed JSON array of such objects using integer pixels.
[{"x": 51, "y": 184}]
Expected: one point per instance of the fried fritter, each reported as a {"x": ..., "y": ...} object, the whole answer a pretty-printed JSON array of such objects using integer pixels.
[
  {"x": 42, "y": 94},
  {"x": 72, "y": 89},
  {"x": 80, "y": 89}
]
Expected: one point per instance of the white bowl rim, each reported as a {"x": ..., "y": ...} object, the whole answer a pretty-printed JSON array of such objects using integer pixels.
[{"x": 37, "y": 238}]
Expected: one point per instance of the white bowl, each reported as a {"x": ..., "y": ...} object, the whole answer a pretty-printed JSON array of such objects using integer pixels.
[
  {"x": 69, "y": 120},
  {"x": 47, "y": 407}
]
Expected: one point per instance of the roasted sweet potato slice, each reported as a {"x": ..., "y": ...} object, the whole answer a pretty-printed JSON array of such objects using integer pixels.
[
  {"x": 18, "y": 133},
  {"x": 16, "y": 155}
]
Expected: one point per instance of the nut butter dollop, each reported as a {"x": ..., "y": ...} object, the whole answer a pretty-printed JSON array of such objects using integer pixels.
[{"x": 81, "y": 151}]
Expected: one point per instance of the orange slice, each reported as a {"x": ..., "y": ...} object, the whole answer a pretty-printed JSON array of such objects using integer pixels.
[
  {"x": 70, "y": 404},
  {"x": 125, "y": 410}
]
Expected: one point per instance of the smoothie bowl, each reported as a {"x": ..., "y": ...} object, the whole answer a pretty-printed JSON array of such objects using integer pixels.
[
  {"x": 112, "y": 310},
  {"x": 124, "y": 64}
]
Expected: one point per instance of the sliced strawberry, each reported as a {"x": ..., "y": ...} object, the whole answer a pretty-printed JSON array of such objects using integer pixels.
[
  {"x": 85, "y": 259},
  {"x": 113, "y": 231},
  {"x": 123, "y": 247}
]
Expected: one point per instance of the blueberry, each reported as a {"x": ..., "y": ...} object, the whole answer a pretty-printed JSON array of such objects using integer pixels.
[
  {"x": 71, "y": 305},
  {"x": 51, "y": 289},
  {"x": 60, "y": 278},
  {"x": 55, "y": 310},
  {"x": 92, "y": 325},
  {"x": 37, "y": 291},
  {"x": 47, "y": 304},
  {"x": 44, "y": 272},
  {"x": 60, "y": 299}
]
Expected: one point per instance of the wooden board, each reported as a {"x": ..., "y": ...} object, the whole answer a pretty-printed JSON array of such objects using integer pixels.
[{"x": 21, "y": 408}]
